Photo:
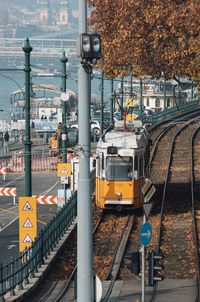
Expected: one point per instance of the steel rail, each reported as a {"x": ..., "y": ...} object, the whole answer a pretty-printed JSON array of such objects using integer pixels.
[
  {"x": 197, "y": 299},
  {"x": 155, "y": 290},
  {"x": 68, "y": 283}
]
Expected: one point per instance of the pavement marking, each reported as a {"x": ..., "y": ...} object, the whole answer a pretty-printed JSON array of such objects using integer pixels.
[
  {"x": 13, "y": 207},
  {"x": 47, "y": 191},
  {"x": 18, "y": 216},
  {"x": 41, "y": 221},
  {"x": 3, "y": 210},
  {"x": 14, "y": 180},
  {"x": 9, "y": 224}
]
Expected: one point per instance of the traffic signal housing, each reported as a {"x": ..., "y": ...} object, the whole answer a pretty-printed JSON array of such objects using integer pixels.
[
  {"x": 155, "y": 267},
  {"x": 89, "y": 46},
  {"x": 134, "y": 265}
]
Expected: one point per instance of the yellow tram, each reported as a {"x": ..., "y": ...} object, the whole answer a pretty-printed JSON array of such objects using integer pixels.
[{"x": 121, "y": 158}]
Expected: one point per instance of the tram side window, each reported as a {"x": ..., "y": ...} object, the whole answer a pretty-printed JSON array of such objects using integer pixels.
[
  {"x": 102, "y": 162},
  {"x": 98, "y": 166},
  {"x": 141, "y": 166},
  {"x": 119, "y": 168},
  {"x": 102, "y": 166},
  {"x": 136, "y": 163}
]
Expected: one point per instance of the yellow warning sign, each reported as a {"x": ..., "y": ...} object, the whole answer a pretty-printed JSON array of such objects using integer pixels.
[
  {"x": 130, "y": 102},
  {"x": 64, "y": 169},
  {"x": 27, "y": 221}
]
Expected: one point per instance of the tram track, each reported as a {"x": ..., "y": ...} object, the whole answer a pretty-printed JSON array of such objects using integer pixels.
[
  {"x": 108, "y": 255},
  {"x": 177, "y": 233}
]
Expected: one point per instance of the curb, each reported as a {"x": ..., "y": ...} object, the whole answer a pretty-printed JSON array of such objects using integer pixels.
[{"x": 28, "y": 289}]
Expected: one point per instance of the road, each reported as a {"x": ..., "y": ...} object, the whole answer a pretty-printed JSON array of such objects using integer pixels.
[{"x": 44, "y": 183}]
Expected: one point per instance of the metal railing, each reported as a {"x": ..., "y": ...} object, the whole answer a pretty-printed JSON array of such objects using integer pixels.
[
  {"x": 26, "y": 264},
  {"x": 171, "y": 113}
]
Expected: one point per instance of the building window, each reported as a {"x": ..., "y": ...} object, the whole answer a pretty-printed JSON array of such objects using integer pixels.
[
  {"x": 168, "y": 102},
  {"x": 44, "y": 18},
  {"x": 147, "y": 102},
  {"x": 63, "y": 18},
  {"x": 157, "y": 102}
]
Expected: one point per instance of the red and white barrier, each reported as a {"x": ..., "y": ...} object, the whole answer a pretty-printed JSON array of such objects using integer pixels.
[
  {"x": 3, "y": 171},
  {"x": 40, "y": 162},
  {"x": 44, "y": 199},
  {"x": 5, "y": 191}
]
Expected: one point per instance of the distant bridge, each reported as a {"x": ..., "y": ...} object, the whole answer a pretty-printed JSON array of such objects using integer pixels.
[{"x": 48, "y": 48}]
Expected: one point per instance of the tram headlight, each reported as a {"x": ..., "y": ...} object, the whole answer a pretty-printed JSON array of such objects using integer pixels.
[{"x": 119, "y": 194}]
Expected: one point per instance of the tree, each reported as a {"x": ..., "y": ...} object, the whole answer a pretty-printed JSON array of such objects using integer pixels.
[{"x": 148, "y": 37}]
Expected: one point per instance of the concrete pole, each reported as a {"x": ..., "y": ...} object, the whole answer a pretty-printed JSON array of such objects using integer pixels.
[
  {"x": 101, "y": 104},
  {"x": 111, "y": 101},
  {"x": 131, "y": 91},
  {"x": 84, "y": 206},
  {"x": 27, "y": 142},
  {"x": 164, "y": 94},
  {"x": 141, "y": 91},
  {"x": 122, "y": 98},
  {"x": 64, "y": 127}
]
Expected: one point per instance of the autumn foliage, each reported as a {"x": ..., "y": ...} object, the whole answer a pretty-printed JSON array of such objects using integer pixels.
[{"x": 148, "y": 37}]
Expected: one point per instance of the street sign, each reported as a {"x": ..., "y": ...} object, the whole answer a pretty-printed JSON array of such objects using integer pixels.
[
  {"x": 27, "y": 221},
  {"x": 64, "y": 180},
  {"x": 3, "y": 171},
  {"x": 130, "y": 102},
  {"x": 148, "y": 190},
  {"x": 147, "y": 207},
  {"x": 98, "y": 289},
  {"x": 64, "y": 169},
  {"x": 64, "y": 97},
  {"x": 60, "y": 196},
  {"x": 45, "y": 199},
  {"x": 146, "y": 234}
]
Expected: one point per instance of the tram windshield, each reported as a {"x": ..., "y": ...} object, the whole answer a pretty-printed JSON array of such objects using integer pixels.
[{"x": 119, "y": 168}]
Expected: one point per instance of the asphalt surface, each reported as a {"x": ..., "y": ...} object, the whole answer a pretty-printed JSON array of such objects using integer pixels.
[
  {"x": 43, "y": 183},
  {"x": 9, "y": 222}
]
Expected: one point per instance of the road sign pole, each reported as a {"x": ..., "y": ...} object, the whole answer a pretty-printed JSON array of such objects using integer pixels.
[
  {"x": 65, "y": 193},
  {"x": 143, "y": 264}
]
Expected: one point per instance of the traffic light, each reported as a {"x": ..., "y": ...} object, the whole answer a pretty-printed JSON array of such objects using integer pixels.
[
  {"x": 89, "y": 46},
  {"x": 134, "y": 265},
  {"x": 154, "y": 267}
]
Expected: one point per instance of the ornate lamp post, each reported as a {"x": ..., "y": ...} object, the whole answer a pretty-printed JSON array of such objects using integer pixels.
[
  {"x": 27, "y": 143},
  {"x": 64, "y": 60}
]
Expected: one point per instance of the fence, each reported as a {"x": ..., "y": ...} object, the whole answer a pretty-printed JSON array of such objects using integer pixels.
[
  {"x": 171, "y": 113},
  {"x": 39, "y": 162}
]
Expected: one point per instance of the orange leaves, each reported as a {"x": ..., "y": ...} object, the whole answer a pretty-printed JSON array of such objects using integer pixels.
[{"x": 148, "y": 37}]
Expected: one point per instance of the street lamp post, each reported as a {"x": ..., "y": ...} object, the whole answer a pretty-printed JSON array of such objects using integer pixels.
[
  {"x": 111, "y": 102},
  {"x": 27, "y": 142},
  {"x": 101, "y": 104},
  {"x": 164, "y": 94},
  {"x": 90, "y": 51},
  {"x": 64, "y": 60},
  {"x": 141, "y": 92},
  {"x": 122, "y": 97}
]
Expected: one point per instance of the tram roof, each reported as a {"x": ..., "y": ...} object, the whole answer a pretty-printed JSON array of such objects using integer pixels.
[{"x": 123, "y": 139}]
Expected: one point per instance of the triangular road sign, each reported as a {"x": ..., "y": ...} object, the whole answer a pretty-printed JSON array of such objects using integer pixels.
[
  {"x": 27, "y": 207},
  {"x": 27, "y": 239},
  {"x": 147, "y": 207},
  {"x": 27, "y": 224},
  {"x": 64, "y": 171}
]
